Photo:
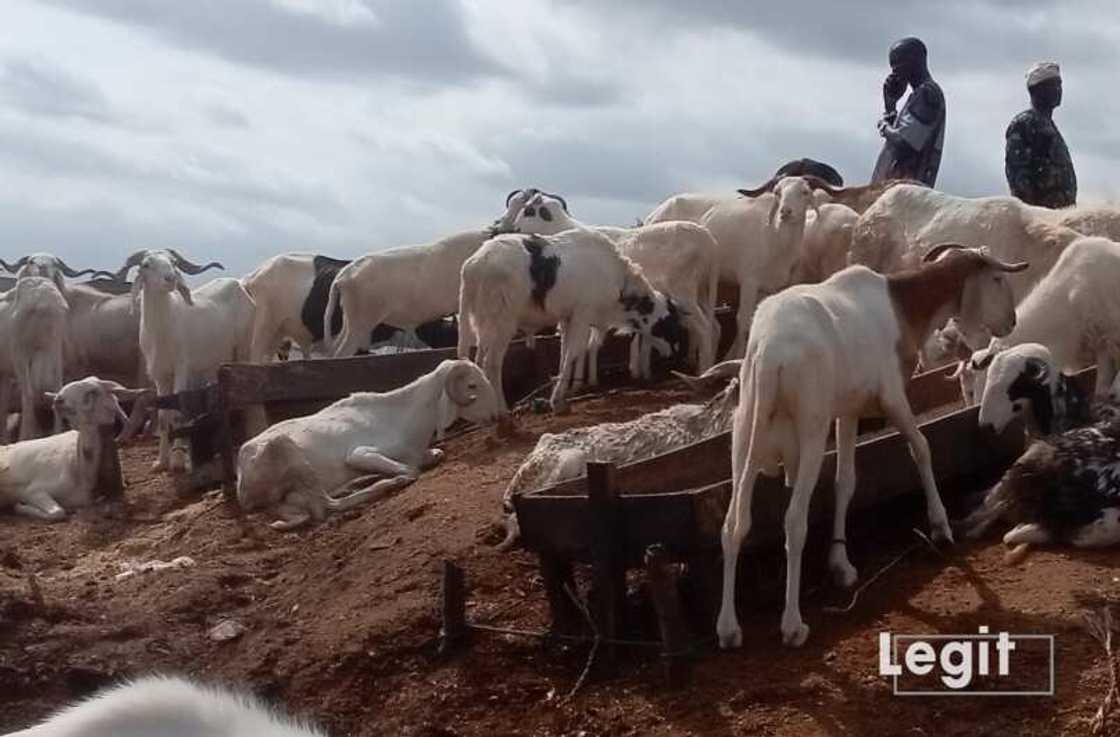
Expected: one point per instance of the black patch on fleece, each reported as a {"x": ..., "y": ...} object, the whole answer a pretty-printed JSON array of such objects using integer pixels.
[
  {"x": 631, "y": 303},
  {"x": 671, "y": 329},
  {"x": 542, "y": 269},
  {"x": 326, "y": 269},
  {"x": 1033, "y": 390}
]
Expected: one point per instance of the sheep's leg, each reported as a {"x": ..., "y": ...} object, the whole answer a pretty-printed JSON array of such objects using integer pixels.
[
  {"x": 811, "y": 441},
  {"x": 737, "y": 522},
  {"x": 291, "y": 516},
  {"x": 163, "y": 420},
  {"x": 593, "y": 346},
  {"x": 263, "y": 343},
  {"x": 40, "y": 505},
  {"x": 28, "y": 422},
  {"x": 492, "y": 349},
  {"x": 369, "y": 493},
  {"x": 1027, "y": 533},
  {"x": 635, "y": 366},
  {"x": 1106, "y": 372},
  {"x": 700, "y": 332},
  {"x": 368, "y": 459},
  {"x": 572, "y": 344},
  {"x": 843, "y": 571},
  {"x": 179, "y": 455},
  {"x": 748, "y": 295},
  {"x": 898, "y": 412},
  {"x": 5, "y": 403}
]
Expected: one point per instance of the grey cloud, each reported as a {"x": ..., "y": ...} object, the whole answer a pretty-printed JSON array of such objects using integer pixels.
[
  {"x": 420, "y": 39},
  {"x": 41, "y": 88},
  {"x": 961, "y": 34},
  {"x": 226, "y": 116}
]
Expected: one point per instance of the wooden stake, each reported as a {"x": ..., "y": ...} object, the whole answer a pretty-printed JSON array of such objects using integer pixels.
[
  {"x": 607, "y": 562},
  {"x": 453, "y": 596},
  {"x": 676, "y": 646}
]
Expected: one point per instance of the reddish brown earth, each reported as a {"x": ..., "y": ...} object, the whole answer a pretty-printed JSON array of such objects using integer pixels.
[{"x": 342, "y": 619}]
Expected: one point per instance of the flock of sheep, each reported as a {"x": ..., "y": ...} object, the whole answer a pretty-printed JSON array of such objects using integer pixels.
[{"x": 842, "y": 294}]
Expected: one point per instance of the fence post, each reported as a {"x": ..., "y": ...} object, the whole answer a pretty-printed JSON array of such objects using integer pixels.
[{"x": 607, "y": 555}]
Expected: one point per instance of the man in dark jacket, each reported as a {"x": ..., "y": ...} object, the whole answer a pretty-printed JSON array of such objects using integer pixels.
[
  {"x": 915, "y": 136},
  {"x": 1039, "y": 169}
]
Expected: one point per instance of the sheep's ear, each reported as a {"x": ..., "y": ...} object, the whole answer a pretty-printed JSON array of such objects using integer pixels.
[
  {"x": 51, "y": 396},
  {"x": 184, "y": 291}
]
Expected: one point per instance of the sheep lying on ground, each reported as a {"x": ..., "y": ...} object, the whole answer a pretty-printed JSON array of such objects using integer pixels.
[
  {"x": 366, "y": 445},
  {"x": 164, "y": 706},
  {"x": 562, "y": 456},
  {"x": 44, "y": 478}
]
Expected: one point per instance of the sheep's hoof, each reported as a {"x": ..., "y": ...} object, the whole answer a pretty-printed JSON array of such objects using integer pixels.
[
  {"x": 179, "y": 462},
  {"x": 730, "y": 637},
  {"x": 943, "y": 534},
  {"x": 794, "y": 634},
  {"x": 845, "y": 575},
  {"x": 1017, "y": 555}
]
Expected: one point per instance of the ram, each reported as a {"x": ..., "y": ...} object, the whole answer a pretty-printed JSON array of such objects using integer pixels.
[
  {"x": 406, "y": 286},
  {"x": 358, "y": 448},
  {"x": 46, "y": 477},
  {"x": 37, "y": 342},
  {"x": 828, "y": 352},
  {"x": 1074, "y": 311},
  {"x": 680, "y": 259},
  {"x": 576, "y": 279},
  {"x": 185, "y": 334}
]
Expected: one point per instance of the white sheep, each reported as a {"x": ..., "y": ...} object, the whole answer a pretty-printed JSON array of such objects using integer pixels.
[
  {"x": 1074, "y": 311},
  {"x": 297, "y": 468},
  {"x": 833, "y": 351},
  {"x": 168, "y": 707},
  {"x": 37, "y": 342},
  {"x": 1024, "y": 381},
  {"x": 185, "y": 334},
  {"x": 577, "y": 279},
  {"x": 760, "y": 243},
  {"x": 46, "y": 477},
  {"x": 680, "y": 259},
  {"x": 828, "y": 238},
  {"x": 405, "y": 286}
]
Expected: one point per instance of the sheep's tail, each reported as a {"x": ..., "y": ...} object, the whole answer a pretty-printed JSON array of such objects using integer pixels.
[{"x": 332, "y": 303}]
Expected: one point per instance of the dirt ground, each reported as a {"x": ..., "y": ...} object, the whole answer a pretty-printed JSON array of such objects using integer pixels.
[{"x": 341, "y": 620}]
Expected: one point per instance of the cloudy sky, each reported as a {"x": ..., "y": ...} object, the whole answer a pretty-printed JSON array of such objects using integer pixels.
[{"x": 237, "y": 129}]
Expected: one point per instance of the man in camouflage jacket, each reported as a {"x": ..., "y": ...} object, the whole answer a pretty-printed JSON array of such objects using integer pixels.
[{"x": 1038, "y": 166}]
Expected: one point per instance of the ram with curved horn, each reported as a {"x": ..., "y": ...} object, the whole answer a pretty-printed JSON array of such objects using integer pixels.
[
  {"x": 49, "y": 266},
  {"x": 186, "y": 337},
  {"x": 359, "y": 448}
]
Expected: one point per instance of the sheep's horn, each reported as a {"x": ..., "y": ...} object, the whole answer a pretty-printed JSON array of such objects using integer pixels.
[
  {"x": 70, "y": 272},
  {"x": 189, "y": 267},
  {"x": 719, "y": 372},
  {"x": 133, "y": 259},
  {"x": 13, "y": 268},
  {"x": 563, "y": 202},
  {"x": 768, "y": 187},
  {"x": 817, "y": 183},
  {"x": 528, "y": 193},
  {"x": 934, "y": 253}
]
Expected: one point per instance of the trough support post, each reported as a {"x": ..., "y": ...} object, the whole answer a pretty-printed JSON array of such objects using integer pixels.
[
  {"x": 109, "y": 478},
  {"x": 453, "y": 606},
  {"x": 607, "y": 555},
  {"x": 556, "y": 574},
  {"x": 222, "y": 406},
  {"x": 676, "y": 648}
]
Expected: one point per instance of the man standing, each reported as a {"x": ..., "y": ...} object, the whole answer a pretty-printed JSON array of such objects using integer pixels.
[
  {"x": 1039, "y": 169},
  {"x": 914, "y": 137}
]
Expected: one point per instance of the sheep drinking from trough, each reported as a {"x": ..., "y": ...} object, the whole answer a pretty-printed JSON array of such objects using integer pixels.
[
  {"x": 46, "y": 477},
  {"x": 840, "y": 350},
  {"x": 366, "y": 445},
  {"x": 165, "y": 706}
]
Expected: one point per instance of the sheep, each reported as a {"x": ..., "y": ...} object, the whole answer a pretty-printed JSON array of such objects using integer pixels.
[
  {"x": 168, "y": 706},
  {"x": 908, "y": 219},
  {"x": 1024, "y": 381},
  {"x": 406, "y": 286},
  {"x": 576, "y": 279},
  {"x": 562, "y": 456},
  {"x": 185, "y": 337},
  {"x": 842, "y": 349},
  {"x": 680, "y": 259},
  {"x": 290, "y": 292},
  {"x": 37, "y": 341},
  {"x": 1074, "y": 311},
  {"x": 48, "y": 266},
  {"x": 297, "y": 468},
  {"x": 828, "y": 238},
  {"x": 760, "y": 243},
  {"x": 46, "y": 477}
]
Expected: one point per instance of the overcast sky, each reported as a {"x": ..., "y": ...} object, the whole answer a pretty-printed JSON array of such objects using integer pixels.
[{"x": 237, "y": 129}]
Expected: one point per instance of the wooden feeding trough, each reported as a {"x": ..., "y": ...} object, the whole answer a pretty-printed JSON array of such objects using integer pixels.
[
  {"x": 676, "y": 501},
  {"x": 294, "y": 388}
]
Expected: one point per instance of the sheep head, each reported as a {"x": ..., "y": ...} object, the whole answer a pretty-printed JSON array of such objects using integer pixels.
[{"x": 89, "y": 402}]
